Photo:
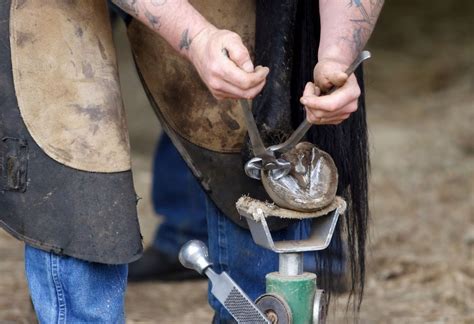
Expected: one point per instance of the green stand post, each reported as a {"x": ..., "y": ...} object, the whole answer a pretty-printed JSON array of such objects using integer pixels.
[{"x": 298, "y": 291}]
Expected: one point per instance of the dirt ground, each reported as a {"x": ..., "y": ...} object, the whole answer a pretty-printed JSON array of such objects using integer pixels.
[{"x": 421, "y": 116}]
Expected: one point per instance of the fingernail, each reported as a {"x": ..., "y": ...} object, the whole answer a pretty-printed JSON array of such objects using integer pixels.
[{"x": 248, "y": 67}]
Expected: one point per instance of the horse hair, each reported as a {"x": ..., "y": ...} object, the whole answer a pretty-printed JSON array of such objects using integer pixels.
[{"x": 287, "y": 40}]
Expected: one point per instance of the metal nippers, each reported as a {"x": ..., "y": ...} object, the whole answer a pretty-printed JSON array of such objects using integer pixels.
[{"x": 265, "y": 158}]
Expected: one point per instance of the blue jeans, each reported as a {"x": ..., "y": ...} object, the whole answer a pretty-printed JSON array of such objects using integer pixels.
[
  {"x": 231, "y": 249},
  {"x": 68, "y": 290},
  {"x": 177, "y": 196}
]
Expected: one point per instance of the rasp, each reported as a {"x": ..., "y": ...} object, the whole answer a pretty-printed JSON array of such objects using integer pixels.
[{"x": 194, "y": 255}]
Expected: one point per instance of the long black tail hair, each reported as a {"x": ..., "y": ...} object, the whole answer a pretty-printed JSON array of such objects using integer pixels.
[{"x": 287, "y": 40}]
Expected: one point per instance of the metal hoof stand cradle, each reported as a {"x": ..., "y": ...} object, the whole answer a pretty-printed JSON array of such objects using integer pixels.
[{"x": 291, "y": 295}]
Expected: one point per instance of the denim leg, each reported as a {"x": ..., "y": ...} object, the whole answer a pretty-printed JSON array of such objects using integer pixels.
[
  {"x": 232, "y": 249},
  {"x": 69, "y": 290},
  {"x": 177, "y": 196}
]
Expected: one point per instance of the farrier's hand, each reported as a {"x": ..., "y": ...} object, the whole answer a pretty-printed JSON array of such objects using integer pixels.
[
  {"x": 231, "y": 76},
  {"x": 337, "y": 106}
]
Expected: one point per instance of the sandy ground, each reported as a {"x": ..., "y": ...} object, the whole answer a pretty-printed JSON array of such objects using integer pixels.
[{"x": 421, "y": 112}]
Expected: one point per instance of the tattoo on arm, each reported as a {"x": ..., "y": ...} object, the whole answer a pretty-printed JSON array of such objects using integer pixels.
[
  {"x": 185, "y": 40},
  {"x": 136, "y": 7},
  {"x": 152, "y": 19},
  {"x": 364, "y": 24}
]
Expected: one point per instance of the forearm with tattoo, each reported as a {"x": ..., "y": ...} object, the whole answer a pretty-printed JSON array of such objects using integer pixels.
[
  {"x": 346, "y": 26},
  {"x": 177, "y": 21},
  {"x": 364, "y": 24}
]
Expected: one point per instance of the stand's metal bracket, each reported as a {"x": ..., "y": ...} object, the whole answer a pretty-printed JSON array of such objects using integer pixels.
[{"x": 322, "y": 229}]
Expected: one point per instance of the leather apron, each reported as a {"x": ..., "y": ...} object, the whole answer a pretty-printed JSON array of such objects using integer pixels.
[{"x": 65, "y": 179}]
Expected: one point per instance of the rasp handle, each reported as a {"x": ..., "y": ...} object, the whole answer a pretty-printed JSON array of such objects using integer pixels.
[{"x": 194, "y": 255}]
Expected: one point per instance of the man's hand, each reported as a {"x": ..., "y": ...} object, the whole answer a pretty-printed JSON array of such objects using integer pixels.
[
  {"x": 337, "y": 106},
  {"x": 224, "y": 64},
  {"x": 345, "y": 28}
]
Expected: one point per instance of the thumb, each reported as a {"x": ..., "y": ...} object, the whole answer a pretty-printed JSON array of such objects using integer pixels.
[
  {"x": 239, "y": 54},
  {"x": 311, "y": 90}
]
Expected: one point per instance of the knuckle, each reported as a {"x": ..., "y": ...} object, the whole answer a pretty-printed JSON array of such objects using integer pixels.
[
  {"x": 234, "y": 35},
  {"x": 344, "y": 117},
  {"x": 312, "y": 119},
  {"x": 357, "y": 92},
  {"x": 318, "y": 114},
  {"x": 247, "y": 83},
  {"x": 256, "y": 91},
  {"x": 214, "y": 68},
  {"x": 215, "y": 84},
  {"x": 332, "y": 106},
  {"x": 249, "y": 94},
  {"x": 217, "y": 96},
  {"x": 353, "y": 107}
]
